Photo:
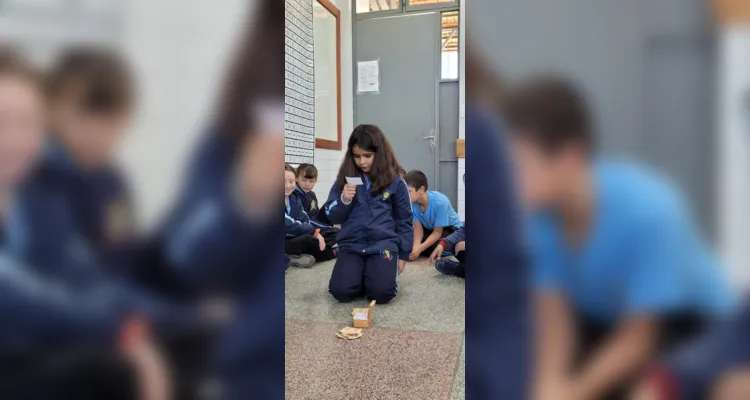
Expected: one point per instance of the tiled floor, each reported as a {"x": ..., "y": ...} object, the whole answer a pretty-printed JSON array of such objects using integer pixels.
[{"x": 414, "y": 351}]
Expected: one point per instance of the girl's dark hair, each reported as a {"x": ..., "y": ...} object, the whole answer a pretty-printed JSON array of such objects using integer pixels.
[
  {"x": 289, "y": 168},
  {"x": 256, "y": 74},
  {"x": 99, "y": 79},
  {"x": 307, "y": 171},
  {"x": 12, "y": 64},
  {"x": 384, "y": 166}
]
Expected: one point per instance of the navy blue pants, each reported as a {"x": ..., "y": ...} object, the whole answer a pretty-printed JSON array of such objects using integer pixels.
[{"x": 373, "y": 275}]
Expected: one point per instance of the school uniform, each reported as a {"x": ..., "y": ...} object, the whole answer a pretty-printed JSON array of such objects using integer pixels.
[
  {"x": 76, "y": 226},
  {"x": 691, "y": 371},
  {"x": 500, "y": 345},
  {"x": 439, "y": 213},
  {"x": 217, "y": 248},
  {"x": 53, "y": 334},
  {"x": 299, "y": 233},
  {"x": 376, "y": 232},
  {"x": 312, "y": 207},
  {"x": 643, "y": 256},
  {"x": 448, "y": 266}
]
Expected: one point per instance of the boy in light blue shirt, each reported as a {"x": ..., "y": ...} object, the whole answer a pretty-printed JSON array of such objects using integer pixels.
[
  {"x": 434, "y": 216},
  {"x": 621, "y": 272}
]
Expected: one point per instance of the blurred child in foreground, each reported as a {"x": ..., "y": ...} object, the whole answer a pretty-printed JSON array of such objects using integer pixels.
[
  {"x": 223, "y": 234},
  {"x": 714, "y": 366},
  {"x": 619, "y": 267},
  {"x": 58, "y": 340},
  {"x": 498, "y": 358}
]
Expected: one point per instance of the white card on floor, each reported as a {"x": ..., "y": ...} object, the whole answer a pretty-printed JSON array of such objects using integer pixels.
[{"x": 354, "y": 181}]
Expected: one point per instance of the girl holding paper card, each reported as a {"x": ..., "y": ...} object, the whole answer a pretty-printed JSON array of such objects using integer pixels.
[{"x": 371, "y": 202}]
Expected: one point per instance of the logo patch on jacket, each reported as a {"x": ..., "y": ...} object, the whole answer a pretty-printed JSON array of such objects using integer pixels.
[
  {"x": 313, "y": 205},
  {"x": 386, "y": 195},
  {"x": 386, "y": 254}
]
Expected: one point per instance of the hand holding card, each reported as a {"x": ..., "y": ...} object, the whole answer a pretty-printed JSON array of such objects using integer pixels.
[
  {"x": 348, "y": 194},
  {"x": 354, "y": 180}
]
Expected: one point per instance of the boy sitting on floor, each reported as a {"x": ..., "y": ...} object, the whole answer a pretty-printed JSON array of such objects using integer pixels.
[
  {"x": 434, "y": 217},
  {"x": 457, "y": 242}
]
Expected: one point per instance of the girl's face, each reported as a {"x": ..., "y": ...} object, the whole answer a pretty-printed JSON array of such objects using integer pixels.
[
  {"x": 363, "y": 158},
  {"x": 290, "y": 182},
  {"x": 21, "y": 128}
]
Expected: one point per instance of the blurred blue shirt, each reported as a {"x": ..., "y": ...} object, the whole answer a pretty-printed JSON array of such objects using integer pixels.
[
  {"x": 439, "y": 212},
  {"x": 643, "y": 254}
]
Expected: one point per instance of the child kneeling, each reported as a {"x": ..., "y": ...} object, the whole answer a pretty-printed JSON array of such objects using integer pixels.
[
  {"x": 304, "y": 244},
  {"x": 376, "y": 232}
]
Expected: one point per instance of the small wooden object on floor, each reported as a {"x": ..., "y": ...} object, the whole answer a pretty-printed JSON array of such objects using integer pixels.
[{"x": 363, "y": 316}]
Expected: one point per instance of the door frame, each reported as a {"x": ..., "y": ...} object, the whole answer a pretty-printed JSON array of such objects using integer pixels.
[{"x": 403, "y": 12}]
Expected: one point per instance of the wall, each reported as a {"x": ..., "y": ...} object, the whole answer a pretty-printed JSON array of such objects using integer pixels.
[
  {"x": 180, "y": 49},
  {"x": 733, "y": 153},
  {"x": 328, "y": 161},
  {"x": 462, "y": 106}
]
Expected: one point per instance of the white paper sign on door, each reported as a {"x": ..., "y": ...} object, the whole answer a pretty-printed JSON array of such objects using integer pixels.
[{"x": 368, "y": 76}]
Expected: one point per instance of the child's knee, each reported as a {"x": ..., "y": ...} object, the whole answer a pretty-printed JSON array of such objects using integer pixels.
[
  {"x": 344, "y": 295},
  {"x": 381, "y": 296}
]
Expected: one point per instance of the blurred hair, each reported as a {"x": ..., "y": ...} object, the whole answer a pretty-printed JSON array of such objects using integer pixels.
[
  {"x": 307, "y": 171},
  {"x": 256, "y": 75},
  {"x": 288, "y": 167},
  {"x": 98, "y": 79},
  {"x": 384, "y": 165},
  {"x": 483, "y": 85},
  {"x": 13, "y": 64},
  {"x": 401, "y": 171},
  {"x": 416, "y": 179},
  {"x": 550, "y": 112}
]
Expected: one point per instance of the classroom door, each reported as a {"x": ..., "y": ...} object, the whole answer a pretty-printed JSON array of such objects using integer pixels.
[{"x": 405, "y": 106}]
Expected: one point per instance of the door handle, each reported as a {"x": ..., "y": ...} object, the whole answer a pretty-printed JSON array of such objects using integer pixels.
[{"x": 431, "y": 138}]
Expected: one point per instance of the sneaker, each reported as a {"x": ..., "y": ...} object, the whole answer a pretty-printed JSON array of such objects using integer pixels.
[
  {"x": 448, "y": 267},
  {"x": 301, "y": 261}
]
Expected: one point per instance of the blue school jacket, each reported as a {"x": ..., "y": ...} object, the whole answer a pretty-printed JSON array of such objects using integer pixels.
[
  {"x": 499, "y": 347},
  {"x": 454, "y": 238},
  {"x": 70, "y": 226},
  {"x": 311, "y": 206},
  {"x": 373, "y": 222},
  {"x": 309, "y": 201},
  {"x": 296, "y": 220},
  {"x": 696, "y": 367},
  {"x": 39, "y": 314},
  {"x": 216, "y": 248}
]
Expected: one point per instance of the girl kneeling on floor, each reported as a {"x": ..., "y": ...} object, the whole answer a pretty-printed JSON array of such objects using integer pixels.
[
  {"x": 376, "y": 230},
  {"x": 304, "y": 244}
]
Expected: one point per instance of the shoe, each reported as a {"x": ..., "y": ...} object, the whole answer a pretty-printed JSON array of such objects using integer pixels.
[
  {"x": 301, "y": 261},
  {"x": 449, "y": 267}
]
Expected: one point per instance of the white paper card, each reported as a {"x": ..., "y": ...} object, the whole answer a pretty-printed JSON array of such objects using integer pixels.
[
  {"x": 368, "y": 77},
  {"x": 361, "y": 316},
  {"x": 354, "y": 181}
]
